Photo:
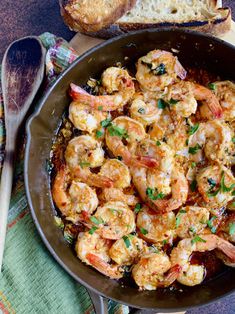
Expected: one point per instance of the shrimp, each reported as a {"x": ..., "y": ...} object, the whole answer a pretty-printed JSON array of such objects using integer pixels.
[
  {"x": 214, "y": 137},
  {"x": 114, "y": 194},
  {"x": 127, "y": 131},
  {"x": 191, "y": 220},
  {"x": 115, "y": 220},
  {"x": 84, "y": 150},
  {"x": 114, "y": 80},
  {"x": 144, "y": 110},
  {"x": 75, "y": 199},
  {"x": 216, "y": 184},
  {"x": 185, "y": 95},
  {"x": 118, "y": 172},
  {"x": 158, "y": 178},
  {"x": 158, "y": 69},
  {"x": 225, "y": 93},
  {"x": 173, "y": 131},
  {"x": 82, "y": 153},
  {"x": 157, "y": 201},
  {"x": 192, "y": 275},
  {"x": 94, "y": 251},
  {"x": 127, "y": 250},
  {"x": 151, "y": 271},
  {"x": 156, "y": 228},
  {"x": 84, "y": 117}
]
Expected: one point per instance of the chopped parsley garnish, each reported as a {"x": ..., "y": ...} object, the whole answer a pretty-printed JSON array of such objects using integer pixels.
[
  {"x": 222, "y": 187},
  {"x": 116, "y": 131},
  {"x": 233, "y": 139},
  {"x": 138, "y": 208},
  {"x": 193, "y": 185},
  {"x": 96, "y": 221},
  {"x": 177, "y": 221},
  {"x": 178, "y": 217},
  {"x": 212, "y": 86},
  {"x": 209, "y": 222},
  {"x": 164, "y": 242},
  {"x": 210, "y": 225},
  {"x": 92, "y": 230},
  {"x": 100, "y": 108},
  {"x": 232, "y": 228},
  {"x": 193, "y": 129},
  {"x": 192, "y": 229},
  {"x": 173, "y": 101},
  {"x": 141, "y": 110},
  {"x": 159, "y": 70},
  {"x": 153, "y": 194},
  {"x": 161, "y": 103},
  {"x": 105, "y": 123},
  {"x": 84, "y": 164},
  {"x": 158, "y": 143},
  {"x": 99, "y": 134},
  {"x": 59, "y": 222},
  {"x": 211, "y": 182},
  {"x": 193, "y": 150},
  {"x": 225, "y": 188},
  {"x": 143, "y": 231},
  {"x": 193, "y": 164},
  {"x": 197, "y": 239},
  {"x": 213, "y": 194},
  {"x": 68, "y": 237},
  {"x": 126, "y": 241}
]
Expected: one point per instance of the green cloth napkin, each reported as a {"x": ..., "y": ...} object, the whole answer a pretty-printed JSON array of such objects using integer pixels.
[{"x": 31, "y": 280}]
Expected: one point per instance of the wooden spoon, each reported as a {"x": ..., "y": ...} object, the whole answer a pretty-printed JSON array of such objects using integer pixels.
[{"x": 22, "y": 74}]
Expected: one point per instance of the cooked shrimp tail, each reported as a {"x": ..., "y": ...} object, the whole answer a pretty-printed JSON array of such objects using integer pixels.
[
  {"x": 105, "y": 268},
  {"x": 93, "y": 179},
  {"x": 180, "y": 71},
  {"x": 206, "y": 96},
  {"x": 213, "y": 241},
  {"x": 171, "y": 276},
  {"x": 146, "y": 161},
  {"x": 79, "y": 94}
]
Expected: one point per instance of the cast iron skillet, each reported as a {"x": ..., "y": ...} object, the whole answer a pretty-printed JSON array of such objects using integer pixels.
[{"x": 195, "y": 50}]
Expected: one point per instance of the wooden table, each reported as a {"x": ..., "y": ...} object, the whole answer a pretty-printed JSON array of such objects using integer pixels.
[{"x": 29, "y": 17}]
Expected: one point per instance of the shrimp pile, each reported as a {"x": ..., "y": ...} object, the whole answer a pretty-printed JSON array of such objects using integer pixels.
[{"x": 147, "y": 180}]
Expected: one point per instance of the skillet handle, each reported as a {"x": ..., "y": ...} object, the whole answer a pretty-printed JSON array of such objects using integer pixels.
[{"x": 100, "y": 304}]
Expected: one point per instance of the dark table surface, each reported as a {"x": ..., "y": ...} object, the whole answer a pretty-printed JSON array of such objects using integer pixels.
[{"x": 32, "y": 17}]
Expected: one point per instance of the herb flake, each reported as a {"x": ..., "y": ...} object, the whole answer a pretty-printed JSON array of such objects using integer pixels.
[
  {"x": 92, "y": 230},
  {"x": 194, "y": 149},
  {"x": 143, "y": 231},
  {"x": 138, "y": 208},
  {"x": 197, "y": 239},
  {"x": 126, "y": 241},
  {"x": 193, "y": 129}
]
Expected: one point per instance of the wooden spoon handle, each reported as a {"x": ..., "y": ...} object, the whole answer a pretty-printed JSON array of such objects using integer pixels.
[{"x": 5, "y": 196}]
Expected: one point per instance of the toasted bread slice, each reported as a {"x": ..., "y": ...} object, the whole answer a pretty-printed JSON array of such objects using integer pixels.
[
  {"x": 90, "y": 15},
  {"x": 204, "y": 15}
]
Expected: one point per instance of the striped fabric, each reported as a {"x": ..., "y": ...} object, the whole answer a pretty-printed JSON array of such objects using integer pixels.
[{"x": 31, "y": 280}]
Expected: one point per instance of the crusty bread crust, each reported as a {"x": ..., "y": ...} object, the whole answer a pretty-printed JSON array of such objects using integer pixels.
[
  {"x": 215, "y": 27},
  {"x": 86, "y": 20}
]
